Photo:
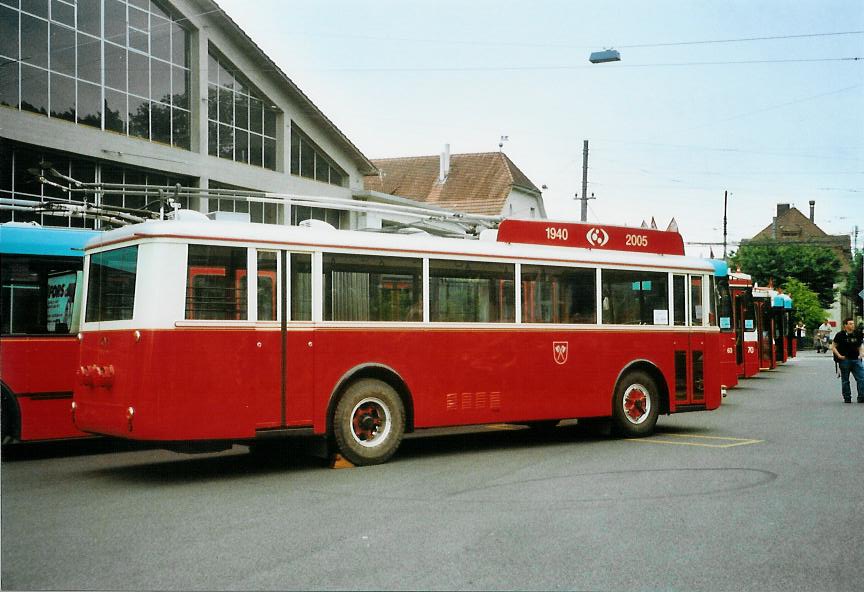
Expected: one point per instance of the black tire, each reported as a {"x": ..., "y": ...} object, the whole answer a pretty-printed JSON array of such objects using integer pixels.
[
  {"x": 369, "y": 422},
  {"x": 9, "y": 418},
  {"x": 636, "y": 405}
]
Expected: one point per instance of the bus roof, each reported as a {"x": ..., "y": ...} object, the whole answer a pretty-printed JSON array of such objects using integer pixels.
[
  {"x": 329, "y": 238},
  {"x": 26, "y": 239}
]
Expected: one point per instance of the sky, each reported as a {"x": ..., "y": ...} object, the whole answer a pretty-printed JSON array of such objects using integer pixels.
[{"x": 760, "y": 98}]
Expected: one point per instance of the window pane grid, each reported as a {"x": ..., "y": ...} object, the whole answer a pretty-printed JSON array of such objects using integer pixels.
[
  {"x": 245, "y": 129},
  {"x": 60, "y": 73},
  {"x": 309, "y": 161}
]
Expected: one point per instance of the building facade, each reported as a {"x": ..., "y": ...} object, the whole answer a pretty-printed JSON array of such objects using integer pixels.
[
  {"x": 153, "y": 93},
  {"x": 790, "y": 225}
]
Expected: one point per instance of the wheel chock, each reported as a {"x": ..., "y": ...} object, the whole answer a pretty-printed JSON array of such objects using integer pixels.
[{"x": 337, "y": 461}]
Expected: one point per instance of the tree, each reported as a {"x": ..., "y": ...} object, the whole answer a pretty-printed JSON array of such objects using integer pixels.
[
  {"x": 808, "y": 309},
  {"x": 817, "y": 267},
  {"x": 855, "y": 282}
]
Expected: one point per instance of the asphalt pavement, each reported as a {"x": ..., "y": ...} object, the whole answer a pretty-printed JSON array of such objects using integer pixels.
[{"x": 766, "y": 493}]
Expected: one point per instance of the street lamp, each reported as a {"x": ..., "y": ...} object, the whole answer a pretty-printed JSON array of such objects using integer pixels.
[{"x": 607, "y": 55}]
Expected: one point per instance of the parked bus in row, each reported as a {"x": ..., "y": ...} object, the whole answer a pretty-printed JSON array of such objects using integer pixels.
[
  {"x": 746, "y": 325},
  {"x": 765, "y": 323},
  {"x": 211, "y": 333},
  {"x": 785, "y": 312},
  {"x": 723, "y": 306},
  {"x": 40, "y": 276}
]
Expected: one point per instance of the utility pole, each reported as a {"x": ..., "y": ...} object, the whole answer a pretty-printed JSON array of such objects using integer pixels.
[
  {"x": 585, "y": 181},
  {"x": 725, "y": 201}
]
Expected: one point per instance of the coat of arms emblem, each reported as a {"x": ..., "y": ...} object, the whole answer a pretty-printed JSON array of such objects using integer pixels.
[{"x": 559, "y": 351}]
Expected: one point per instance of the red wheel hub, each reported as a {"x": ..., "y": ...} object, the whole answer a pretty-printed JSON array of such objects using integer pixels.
[
  {"x": 636, "y": 403},
  {"x": 366, "y": 422}
]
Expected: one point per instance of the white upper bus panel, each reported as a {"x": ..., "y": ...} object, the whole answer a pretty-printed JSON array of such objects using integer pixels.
[{"x": 294, "y": 237}]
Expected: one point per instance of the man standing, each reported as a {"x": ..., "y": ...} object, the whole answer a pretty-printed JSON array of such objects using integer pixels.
[{"x": 847, "y": 351}]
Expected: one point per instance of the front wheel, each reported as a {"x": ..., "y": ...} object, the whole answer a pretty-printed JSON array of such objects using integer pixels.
[
  {"x": 369, "y": 422},
  {"x": 636, "y": 405}
]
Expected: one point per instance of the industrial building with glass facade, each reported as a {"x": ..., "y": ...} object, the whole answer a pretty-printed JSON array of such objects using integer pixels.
[{"x": 150, "y": 92}]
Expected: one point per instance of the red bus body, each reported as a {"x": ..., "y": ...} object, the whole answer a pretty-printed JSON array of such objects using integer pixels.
[
  {"x": 728, "y": 363},
  {"x": 484, "y": 377},
  {"x": 40, "y": 371},
  {"x": 218, "y": 381},
  {"x": 40, "y": 269}
]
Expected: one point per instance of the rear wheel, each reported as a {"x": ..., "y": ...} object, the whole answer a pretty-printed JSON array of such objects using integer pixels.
[
  {"x": 369, "y": 422},
  {"x": 636, "y": 405},
  {"x": 9, "y": 417}
]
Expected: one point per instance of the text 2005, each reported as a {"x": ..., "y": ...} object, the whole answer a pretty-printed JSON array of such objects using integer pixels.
[{"x": 637, "y": 240}]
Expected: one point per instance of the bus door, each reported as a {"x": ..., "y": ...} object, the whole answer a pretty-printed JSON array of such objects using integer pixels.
[
  {"x": 779, "y": 317},
  {"x": 738, "y": 318},
  {"x": 298, "y": 340},
  {"x": 766, "y": 335},
  {"x": 750, "y": 335},
  {"x": 688, "y": 308}
]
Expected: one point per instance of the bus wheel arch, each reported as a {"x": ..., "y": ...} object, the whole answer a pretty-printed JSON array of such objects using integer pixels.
[
  {"x": 374, "y": 394},
  {"x": 639, "y": 397},
  {"x": 11, "y": 415}
]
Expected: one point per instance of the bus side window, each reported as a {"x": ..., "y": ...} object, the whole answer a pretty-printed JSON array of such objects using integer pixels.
[
  {"x": 471, "y": 292},
  {"x": 679, "y": 299},
  {"x": 558, "y": 294},
  {"x": 372, "y": 288},
  {"x": 216, "y": 283},
  {"x": 301, "y": 287},
  {"x": 267, "y": 285},
  {"x": 696, "y": 305},
  {"x": 636, "y": 297}
]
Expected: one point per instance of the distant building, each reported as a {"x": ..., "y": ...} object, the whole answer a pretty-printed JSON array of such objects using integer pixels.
[
  {"x": 792, "y": 226},
  {"x": 486, "y": 183}
]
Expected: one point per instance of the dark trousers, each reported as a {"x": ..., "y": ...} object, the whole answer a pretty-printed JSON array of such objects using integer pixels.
[{"x": 856, "y": 369}]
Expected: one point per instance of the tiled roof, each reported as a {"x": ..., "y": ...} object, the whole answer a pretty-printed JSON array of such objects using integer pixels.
[
  {"x": 791, "y": 225},
  {"x": 476, "y": 184}
]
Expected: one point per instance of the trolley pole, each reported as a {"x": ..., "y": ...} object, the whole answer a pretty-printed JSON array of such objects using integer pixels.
[
  {"x": 585, "y": 181},
  {"x": 725, "y": 201}
]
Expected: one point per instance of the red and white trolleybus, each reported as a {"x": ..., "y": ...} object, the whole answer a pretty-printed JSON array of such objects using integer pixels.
[{"x": 213, "y": 332}]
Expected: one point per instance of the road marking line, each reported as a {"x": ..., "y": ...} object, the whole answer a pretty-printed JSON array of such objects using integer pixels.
[
  {"x": 712, "y": 437},
  {"x": 730, "y": 441}
]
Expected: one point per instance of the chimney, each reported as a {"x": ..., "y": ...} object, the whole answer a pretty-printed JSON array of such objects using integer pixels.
[
  {"x": 782, "y": 209},
  {"x": 813, "y": 210},
  {"x": 444, "y": 164}
]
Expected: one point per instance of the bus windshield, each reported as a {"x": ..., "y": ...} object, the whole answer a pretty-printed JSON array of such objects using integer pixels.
[
  {"x": 38, "y": 294},
  {"x": 724, "y": 303},
  {"x": 111, "y": 286}
]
